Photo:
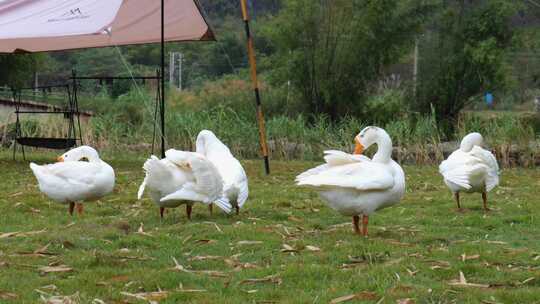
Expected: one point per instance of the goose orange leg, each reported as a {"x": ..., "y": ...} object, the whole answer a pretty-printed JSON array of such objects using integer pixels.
[
  {"x": 356, "y": 220},
  {"x": 456, "y": 195},
  {"x": 484, "y": 198},
  {"x": 237, "y": 210},
  {"x": 365, "y": 221},
  {"x": 80, "y": 208}
]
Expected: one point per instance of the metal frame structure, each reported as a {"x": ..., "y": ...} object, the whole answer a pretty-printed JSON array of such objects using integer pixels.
[
  {"x": 70, "y": 111},
  {"x": 159, "y": 101}
]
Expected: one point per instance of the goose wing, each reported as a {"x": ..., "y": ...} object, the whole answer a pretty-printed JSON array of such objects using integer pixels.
[
  {"x": 208, "y": 185},
  {"x": 345, "y": 170},
  {"x": 487, "y": 158},
  {"x": 69, "y": 181}
]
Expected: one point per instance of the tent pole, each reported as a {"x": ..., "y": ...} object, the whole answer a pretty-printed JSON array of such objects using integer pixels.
[
  {"x": 162, "y": 101},
  {"x": 253, "y": 65}
]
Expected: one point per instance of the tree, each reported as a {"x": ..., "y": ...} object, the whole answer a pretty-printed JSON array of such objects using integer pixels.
[
  {"x": 17, "y": 70},
  {"x": 331, "y": 50},
  {"x": 463, "y": 55}
]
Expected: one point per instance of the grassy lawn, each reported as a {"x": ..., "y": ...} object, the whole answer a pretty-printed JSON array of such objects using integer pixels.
[{"x": 286, "y": 246}]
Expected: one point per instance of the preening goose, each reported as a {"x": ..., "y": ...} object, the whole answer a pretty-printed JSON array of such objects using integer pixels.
[
  {"x": 470, "y": 169},
  {"x": 182, "y": 178},
  {"x": 354, "y": 184},
  {"x": 73, "y": 181},
  {"x": 235, "y": 187}
]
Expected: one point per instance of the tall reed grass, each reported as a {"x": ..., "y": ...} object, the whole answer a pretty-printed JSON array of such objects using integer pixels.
[{"x": 127, "y": 124}]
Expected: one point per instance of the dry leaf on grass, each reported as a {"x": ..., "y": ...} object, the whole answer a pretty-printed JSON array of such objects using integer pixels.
[
  {"x": 8, "y": 234},
  {"x": 20, "y": 234},
  {"x": 187, "y": 238},
  {"x": 204, "y": 241},
  {"x": 182, "y": 289},
  {"x": 215, "y": 225},
  {"x": 212, "y": 273},
  {"x": 148, "y": 296},
  {"x": 462, "y": 282},
  {"x": 141, "y": 231},
  {"x": 295, "y": 219},
  {"x": 364, "y": 295},
  {"x": 465, "y": 257},
  {"x": 40, "y": 252},
  {"x": 440, "y": 265},
  {"x": 238, "y": 266},
  {"x": 4, "y": 295},
  {"x": 497, "y": 242},
  {"x": 268, "y": 279},
  {"x": 205, "y": 258},
  {"x": 411, "y": 272},
  {"x": 527, "y": 281},
  {"x": 288, "y": 249},
  {"x": 55, "y": 299},
  {"x": 405, "y": 301},
  {"x": 240, "y": 243},
  {"x": 398, "y": 243},
  {"x": 313, "y": 248},
  {"x": 54, "y": 269}
]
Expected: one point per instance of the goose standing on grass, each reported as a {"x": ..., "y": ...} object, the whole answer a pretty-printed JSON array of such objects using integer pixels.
[
  {"x": 73, "y": 181},
  {"x": 235, "y": 187},
  {"x": 182, "y": 178},
  {"x": 470, "y": 169},
  {"x": 354, "y": 184}
]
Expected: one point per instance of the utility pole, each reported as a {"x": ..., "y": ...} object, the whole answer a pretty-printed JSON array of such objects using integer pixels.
[
  {"x": 180, "y": 59},
  {"x": 176, "y": 58},
  {"x": 171, "y": 67}
]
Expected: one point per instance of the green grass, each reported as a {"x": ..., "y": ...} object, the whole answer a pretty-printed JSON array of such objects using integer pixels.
[{"x": 414, "y": 249}]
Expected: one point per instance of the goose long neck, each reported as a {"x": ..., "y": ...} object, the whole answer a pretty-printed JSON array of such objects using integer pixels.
[
  {"x": 469, "y": 141},
  {"x": 384, "y": 148}
]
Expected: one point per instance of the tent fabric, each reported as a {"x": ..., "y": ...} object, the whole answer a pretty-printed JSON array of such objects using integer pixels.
[
  {"x": 51, "y": 25},
  {"x": 53, "y": 18}
]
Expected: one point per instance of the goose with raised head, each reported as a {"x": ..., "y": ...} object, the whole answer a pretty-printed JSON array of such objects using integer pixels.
[
  {"x": 72, "y": 180},
  {"x": 470, "y": 169},
  {"x": 235, "y": 182},
  {"x": 182, "y": 178},
  {"x": 354, "y": 184}
]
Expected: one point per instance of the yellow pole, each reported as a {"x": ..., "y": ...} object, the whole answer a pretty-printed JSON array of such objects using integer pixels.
[{"x": 255, "y": 83}]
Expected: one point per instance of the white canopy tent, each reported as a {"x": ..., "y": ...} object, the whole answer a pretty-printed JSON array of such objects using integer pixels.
[
  {"x": 28, "y": 26},
  {"x": 51, "y": 25}
]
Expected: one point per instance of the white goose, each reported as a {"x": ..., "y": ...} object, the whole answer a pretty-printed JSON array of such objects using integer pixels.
[
  {"x": 235, "y": 188},
  {"x": 72, "y": 181},
  {"x": 356, "y": 185},
  {"x": 182, "y": 178},
  {"x": 470, "y": 169}
]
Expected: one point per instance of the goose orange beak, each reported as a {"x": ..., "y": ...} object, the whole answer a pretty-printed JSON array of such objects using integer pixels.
[
  {"x": 60, "y": 159},
  {"x": 358, "y": 147}
]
